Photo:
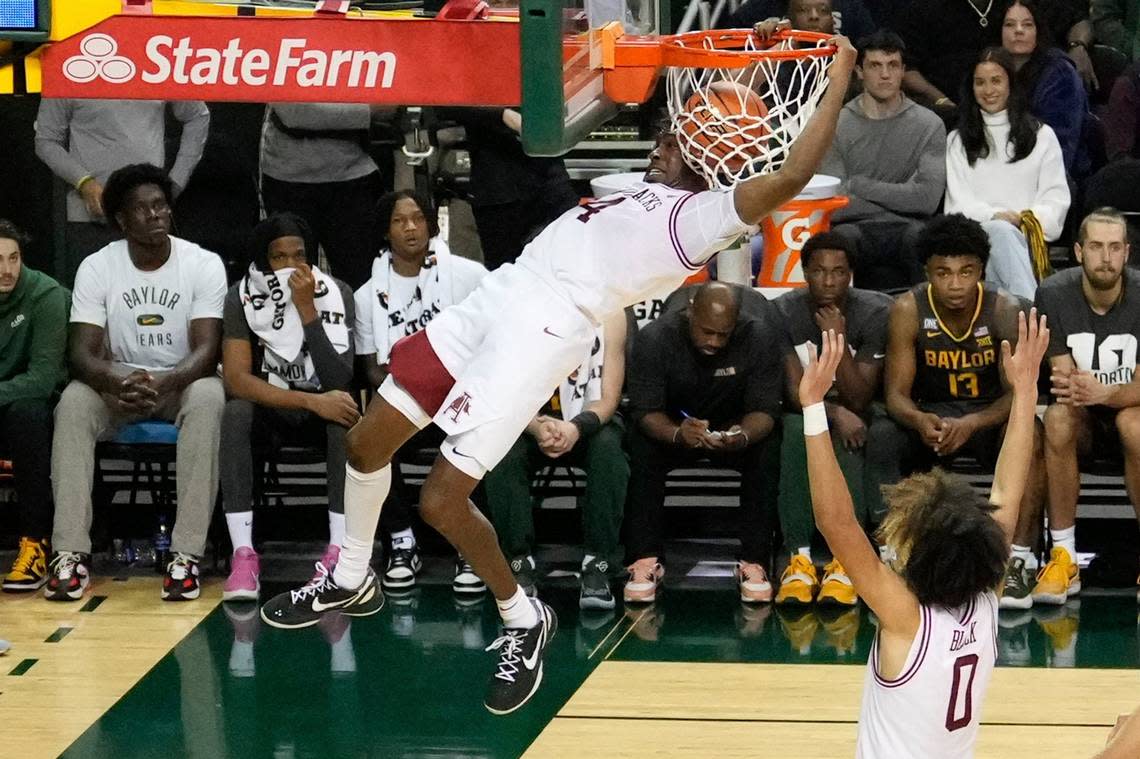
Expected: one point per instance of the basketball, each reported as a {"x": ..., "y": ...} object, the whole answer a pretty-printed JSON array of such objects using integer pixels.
[{"x": 723, "y": 123}]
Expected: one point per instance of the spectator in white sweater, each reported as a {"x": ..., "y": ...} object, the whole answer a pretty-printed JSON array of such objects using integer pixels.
[{"x": 1000, "y": 163}]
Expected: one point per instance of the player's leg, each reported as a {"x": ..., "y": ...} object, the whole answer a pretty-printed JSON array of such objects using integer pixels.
[
  {"x": 1067, "y": 433},
  {"x": 352, "y": 588},
  {"x": 1021, "y": 570},
  {"x": 528, "y": 624},
  {"x": 1128, "y": 425}
]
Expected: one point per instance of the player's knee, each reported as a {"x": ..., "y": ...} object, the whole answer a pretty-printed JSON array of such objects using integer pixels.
[
  {"x": 435, "y": 508},
  {"x": 1060, "y": 425},
  {"x": 1128, "y": 425},
  {"x": 360, "y": 455}
]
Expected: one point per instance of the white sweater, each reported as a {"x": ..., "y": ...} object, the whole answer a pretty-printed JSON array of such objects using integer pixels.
[{"x": 1036, "y": 182}]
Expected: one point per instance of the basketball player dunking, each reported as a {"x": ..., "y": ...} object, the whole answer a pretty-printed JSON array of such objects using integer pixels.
[
  {"x": 482, "y": 369},
  {"x": 934, "y": 653}
]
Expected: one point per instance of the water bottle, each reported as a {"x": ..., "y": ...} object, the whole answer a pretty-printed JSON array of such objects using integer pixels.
[{"x": 161, "y": 545}]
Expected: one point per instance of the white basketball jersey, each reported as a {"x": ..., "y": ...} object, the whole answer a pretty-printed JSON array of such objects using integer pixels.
[
  {"x": 638, "y": 243},
  {"x": 934, "y": 707}
]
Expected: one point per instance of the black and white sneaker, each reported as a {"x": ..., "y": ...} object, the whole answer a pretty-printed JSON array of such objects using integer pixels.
[
  {"x": 403, "y": 566},
  {"x": 595, "y": 592},
  {"x": 319, "y": 596},
  {"x": 519, "y": 672},
  {"x": 68, "y": 576},
  {"x": 466, "y": 581},
  {"x": 181, "y": 580},
  {"x": 526, "y": 574}
]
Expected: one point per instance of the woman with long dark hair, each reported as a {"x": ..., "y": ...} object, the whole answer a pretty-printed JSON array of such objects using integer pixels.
[
  {"x": 1050, "y": 80},
  {"x": 1001, "y": 163}
]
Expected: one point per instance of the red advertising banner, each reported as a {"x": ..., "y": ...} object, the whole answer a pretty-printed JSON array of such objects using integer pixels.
[{"x": 329, "y": 60}]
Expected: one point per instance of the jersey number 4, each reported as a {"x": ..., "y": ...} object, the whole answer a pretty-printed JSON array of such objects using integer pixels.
[
  {"x": 960, "y": 710},
  {"x": 589, "y": 209}
]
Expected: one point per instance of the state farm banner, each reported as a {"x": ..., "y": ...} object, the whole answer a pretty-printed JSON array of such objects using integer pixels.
[{"x": 331, "y": 60}]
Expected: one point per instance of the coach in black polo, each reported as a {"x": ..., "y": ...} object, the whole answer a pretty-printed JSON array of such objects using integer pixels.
[{"x": 704, "y": 383}]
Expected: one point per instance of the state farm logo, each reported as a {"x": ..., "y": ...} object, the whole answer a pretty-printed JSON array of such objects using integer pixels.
[
  {"x": 98, "y": 59},
  {"x": 291, "y": 64}
]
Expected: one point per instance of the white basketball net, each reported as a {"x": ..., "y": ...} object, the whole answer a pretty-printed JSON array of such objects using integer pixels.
[{"x": 728, "y": 148}]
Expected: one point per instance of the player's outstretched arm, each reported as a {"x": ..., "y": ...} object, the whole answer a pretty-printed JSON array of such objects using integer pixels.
[
  {"x": 760, "y": 196},
  {"x": 1021, "y": 367},
  {"x": 883, "y": 590},
  {"x": 1124, "y": 740}
]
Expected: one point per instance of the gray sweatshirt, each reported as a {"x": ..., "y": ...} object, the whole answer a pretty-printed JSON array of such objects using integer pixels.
[
  {"x": 80, "y": 137},
  {"x": 893, "y": 165},
  {"x": 312, "y": 158}
]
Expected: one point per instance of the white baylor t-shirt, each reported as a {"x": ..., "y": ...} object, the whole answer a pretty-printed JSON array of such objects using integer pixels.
[{"x": 147, "y": 314}]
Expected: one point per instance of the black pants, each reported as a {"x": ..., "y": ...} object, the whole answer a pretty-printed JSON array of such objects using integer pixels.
[
  {"x": 245, "y": 424},
  {"x": 505, "y": 228},
  {"x": 342, "y": 215},
  {"x": 650, "y": 464},
  {"x": 83, "y": 238},
  {"x": 25, "y": 438}
]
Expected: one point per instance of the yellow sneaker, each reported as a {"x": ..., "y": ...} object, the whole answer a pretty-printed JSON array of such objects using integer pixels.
[
  {"x": 799, "y": 583},
  {"x": 29, "y": 570},
  {"x": 836, "y": 588},
  {"x": 1061, "y": 624},
  {"x": 842, "y": 628},
  {"x": 799, "y": 626},
  {"x": 1058, "y": 580}
]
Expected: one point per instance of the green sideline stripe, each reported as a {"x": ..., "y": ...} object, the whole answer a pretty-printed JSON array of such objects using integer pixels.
[
  {"x": 22, "y": 667},
  {"x": 58, "y": 635},
  {"x": 93, "y": 604}
]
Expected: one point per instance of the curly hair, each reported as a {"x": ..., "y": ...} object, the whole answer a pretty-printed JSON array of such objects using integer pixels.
[
  {"x": 123, "y": 181},
  {"x": 828, "y": 241},
  {"x": 949, "y": 548},
  {"x": 953, "y": 235}
]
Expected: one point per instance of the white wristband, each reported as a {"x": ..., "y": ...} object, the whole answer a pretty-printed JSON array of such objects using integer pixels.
[{"x": 815, "y": 420}]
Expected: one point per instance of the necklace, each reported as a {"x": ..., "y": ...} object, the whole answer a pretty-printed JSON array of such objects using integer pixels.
[{"x": 982, "y": 20}]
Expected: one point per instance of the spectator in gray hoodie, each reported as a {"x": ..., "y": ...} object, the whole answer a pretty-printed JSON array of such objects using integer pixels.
[{"x": 891, "y": 155}]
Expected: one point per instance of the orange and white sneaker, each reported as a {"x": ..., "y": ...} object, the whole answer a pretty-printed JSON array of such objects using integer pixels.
[
  {"x": 799, "y": 583},
  {"x": 836, "y": 588},
  {"x": 645, "y": 577},
  {"x": 1058, "y": 580},
  {"x": 754, "y": 585}
]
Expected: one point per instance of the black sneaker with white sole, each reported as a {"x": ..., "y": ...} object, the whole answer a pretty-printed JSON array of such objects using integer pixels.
[
  {"x": 466, "y": 581},
  {"x": 595, "y": 592},
  {"x": 403, "y": 566},
  {"x": 519, "y": 672},
  {"x": 69, "y": 573},
  {"x": 321, "y": 595}
]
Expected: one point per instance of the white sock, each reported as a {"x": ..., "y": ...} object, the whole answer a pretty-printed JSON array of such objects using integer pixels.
[
  {"x": 405, "y": 539},
  {"x": 241, "y": 659},
  {"x": 1067, "y": 539},
  {"x": 1025, "y": 553},
  {"x": 518, "y": 611},
  {"x": 364, "y": 494},
  {"x": 342, "y": 656},
  {"x": 804, "y": 551},
  {"x": 336, "y": 528},
  {"x": 240, "y": 524},
  {"x": 587, "y": 559}
]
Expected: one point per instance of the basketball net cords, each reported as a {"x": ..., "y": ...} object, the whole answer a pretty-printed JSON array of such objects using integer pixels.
[{"x": 726, "y": 149}]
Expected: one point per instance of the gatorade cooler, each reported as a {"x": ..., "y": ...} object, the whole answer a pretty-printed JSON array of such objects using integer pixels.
[{"x": 786, "y": 231}]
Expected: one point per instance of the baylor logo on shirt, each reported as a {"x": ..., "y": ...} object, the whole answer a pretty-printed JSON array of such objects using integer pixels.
[
  {"x": 1113, "y": 361},
  {"x": 150, "y": 320}
]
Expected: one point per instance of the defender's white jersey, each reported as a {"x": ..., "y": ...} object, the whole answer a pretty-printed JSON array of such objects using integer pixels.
[
  {"x": 634, "y": 244},
  {"x": 934, "y": 708}
]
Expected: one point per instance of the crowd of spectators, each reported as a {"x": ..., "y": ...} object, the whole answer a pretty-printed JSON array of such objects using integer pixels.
[{"x": 1010, "y": 120}]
